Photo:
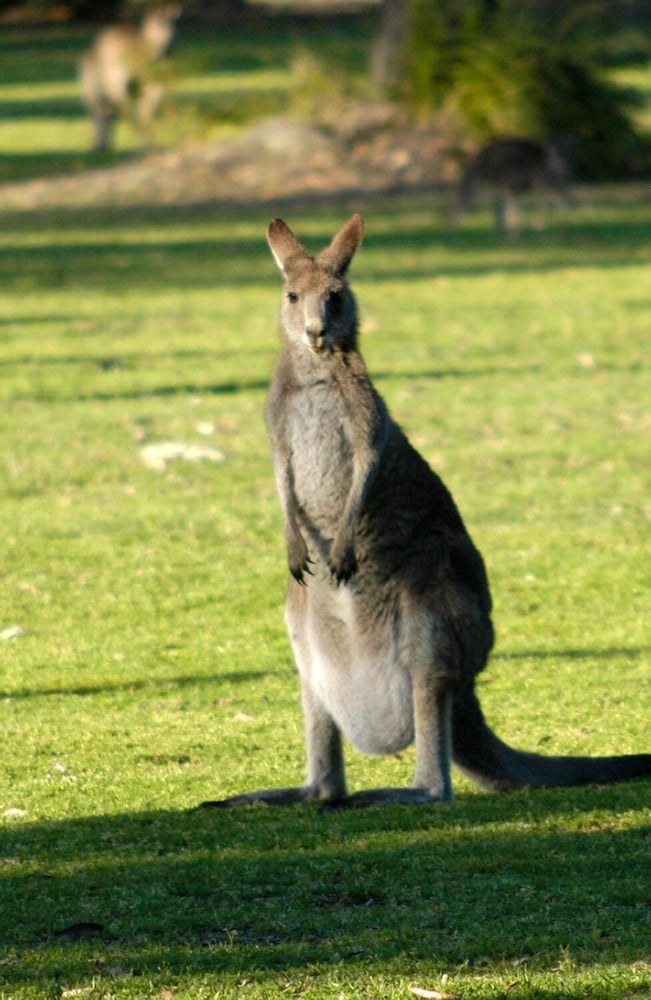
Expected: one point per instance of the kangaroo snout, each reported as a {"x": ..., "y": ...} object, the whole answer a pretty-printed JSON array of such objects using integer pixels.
[{"x": 313, "y": 335}]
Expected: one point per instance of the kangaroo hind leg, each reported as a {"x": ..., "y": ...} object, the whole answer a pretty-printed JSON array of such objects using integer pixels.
[
  {"x": 427, "y": 659},
  {"x": 432, "y": 700},
  {"x": 325, "y": 780}
]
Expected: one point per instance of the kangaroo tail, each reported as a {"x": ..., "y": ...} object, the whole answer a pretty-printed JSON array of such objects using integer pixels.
[{"x": 495, "y": 766}]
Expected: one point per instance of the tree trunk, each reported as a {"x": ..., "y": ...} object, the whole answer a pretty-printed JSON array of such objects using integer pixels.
[{"x": 389, "y": 49}]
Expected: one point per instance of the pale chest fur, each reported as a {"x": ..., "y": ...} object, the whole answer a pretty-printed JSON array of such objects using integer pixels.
[{"x": 320, "y": 455}]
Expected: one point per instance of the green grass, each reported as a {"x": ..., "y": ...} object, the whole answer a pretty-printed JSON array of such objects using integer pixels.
[{"x": 153, "y": 670}]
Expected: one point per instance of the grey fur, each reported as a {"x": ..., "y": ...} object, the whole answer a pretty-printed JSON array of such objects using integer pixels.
[{"x": 388, "y": 606}]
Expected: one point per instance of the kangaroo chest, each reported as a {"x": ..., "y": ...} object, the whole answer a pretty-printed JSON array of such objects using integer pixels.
[{"x": 320, "y": 454}]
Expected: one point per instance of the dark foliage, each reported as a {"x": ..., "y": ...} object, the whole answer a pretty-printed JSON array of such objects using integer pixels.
[{"x": 532, "y": 69}]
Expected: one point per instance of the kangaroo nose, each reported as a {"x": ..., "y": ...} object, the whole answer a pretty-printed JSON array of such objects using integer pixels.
[{"x": 314, "y": 334}]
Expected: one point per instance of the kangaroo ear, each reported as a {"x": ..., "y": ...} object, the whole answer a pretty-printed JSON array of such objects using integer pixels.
[
  {"x": 339, "y": 254},
  {"x": 283, "y": 244}
]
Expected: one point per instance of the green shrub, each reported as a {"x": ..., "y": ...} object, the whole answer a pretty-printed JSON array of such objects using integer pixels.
[{"x": 503, "y": 72}]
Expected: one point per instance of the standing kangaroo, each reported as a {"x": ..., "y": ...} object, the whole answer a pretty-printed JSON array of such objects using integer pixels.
[
  {"x": 388, "y": 607},
  {"x": 113, "y": 73},
  {"x": 510, "y": 168}
]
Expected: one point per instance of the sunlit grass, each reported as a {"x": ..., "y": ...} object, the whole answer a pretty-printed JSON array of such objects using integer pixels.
[{"x": 149, "y": 667}]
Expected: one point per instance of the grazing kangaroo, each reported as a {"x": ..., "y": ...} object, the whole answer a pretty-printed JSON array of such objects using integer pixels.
[
  {"x": 388, "y": 606},
  {"x": 113, "y": 73},
  {"x": 511, "y": 168}
]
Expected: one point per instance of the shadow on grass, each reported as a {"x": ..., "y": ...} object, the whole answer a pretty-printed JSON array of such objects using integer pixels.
[
  {"x": 32, "y": 320},
  {"x": 154, "y": 392},
  {"x": 242, "y": 384},
  {"x": 253, "y": 890},
  {"x": 229, "y": 387},
  {"x": 234, "y": 262},
  {"x": 239, "y": 261},
  {"x": 573, "y": 654},
  {"x": 50, "y": 107},
  {"x": 112, "y": 363},
  {"x": 240, "y": 676},
  {"x": 17, "y": 167},
  {"x": 84, "y": 690}
]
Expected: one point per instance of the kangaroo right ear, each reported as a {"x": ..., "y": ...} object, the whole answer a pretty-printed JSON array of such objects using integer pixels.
[
  {"x": 342, "y": 248},
  {"x": 283, "y": 244}
]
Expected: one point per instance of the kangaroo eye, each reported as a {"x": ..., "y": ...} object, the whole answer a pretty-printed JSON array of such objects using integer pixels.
[{"x": 292, "y": 296}]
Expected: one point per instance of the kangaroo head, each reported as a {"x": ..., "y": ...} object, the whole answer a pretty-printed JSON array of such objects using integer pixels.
[
  {"x": 318, "y": 310},
  {"x": 158, "y": 28}
]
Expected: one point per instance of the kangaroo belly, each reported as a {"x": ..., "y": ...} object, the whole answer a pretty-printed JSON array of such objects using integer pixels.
[{"x": 359, "y": 680}]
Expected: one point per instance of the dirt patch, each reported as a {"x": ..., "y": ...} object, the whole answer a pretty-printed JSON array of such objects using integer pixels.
[{"x": 372, "y": 149}]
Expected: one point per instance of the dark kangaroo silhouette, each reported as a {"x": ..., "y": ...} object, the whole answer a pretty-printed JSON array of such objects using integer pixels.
[
  {"x": 388, "y": 606},
  {"x": 510, "y": 168}
]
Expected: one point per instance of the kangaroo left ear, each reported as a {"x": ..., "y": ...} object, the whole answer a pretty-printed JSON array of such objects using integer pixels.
[
  {"x": 338, "y": 255},
  {"x": 283, "y": 244}
]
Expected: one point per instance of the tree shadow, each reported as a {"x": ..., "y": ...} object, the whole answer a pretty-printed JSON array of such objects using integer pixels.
[
  {"x": 17, "y": 167},
  {"x": 29, "y": 45},
  {"x": 243, "y": 261},
  {"x": 112, "y": 687},
  {"x": 242, "y": 384},
  {"x": 102, "y": 361},
  {"x": 573, "y": 654},
  {"x": 50, "y": 107},
  {"x": 250, "y": 891}
]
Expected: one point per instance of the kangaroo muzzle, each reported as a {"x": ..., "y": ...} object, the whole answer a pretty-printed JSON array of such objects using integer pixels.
[{"x": 313, "y": 335}]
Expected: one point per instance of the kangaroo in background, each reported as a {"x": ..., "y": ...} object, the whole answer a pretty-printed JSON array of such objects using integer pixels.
[
  {"x": 510, "y": 168},
  {"x": 113, "y": 73},
  {"x": 388, "y": 607}
]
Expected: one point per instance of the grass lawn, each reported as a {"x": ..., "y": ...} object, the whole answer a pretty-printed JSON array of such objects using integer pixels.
[{"x": 144, "y": 661}]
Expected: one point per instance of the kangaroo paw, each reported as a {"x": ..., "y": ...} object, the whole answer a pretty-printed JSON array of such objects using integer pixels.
[
  {"x": 298, "y": 558},
  {"x": 342, "y": 562}
]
